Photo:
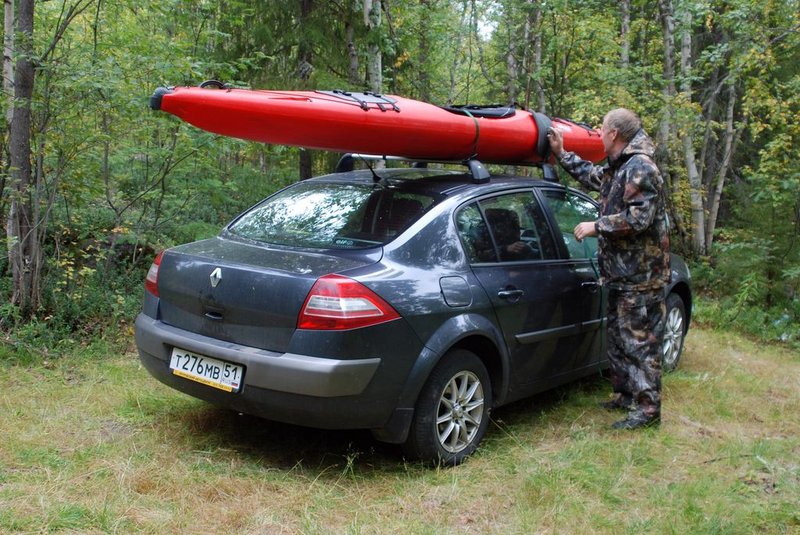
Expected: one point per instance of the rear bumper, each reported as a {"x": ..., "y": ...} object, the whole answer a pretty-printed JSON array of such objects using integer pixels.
[
  {"x": 319, "y": 392},
  {"x": 282, "y": 372}
]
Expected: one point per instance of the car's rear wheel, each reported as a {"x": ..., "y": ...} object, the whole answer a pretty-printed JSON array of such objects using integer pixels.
[
  {"x": 674, "y": 332},
  {"x": 452, "y": 411}
]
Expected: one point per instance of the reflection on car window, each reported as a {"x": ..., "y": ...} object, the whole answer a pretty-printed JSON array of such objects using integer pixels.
[
  {"x": 475, "y": 235},
  {"x": 506, "y": 228},
  {"x": 569, "y": 210},
  {"x": 332, "y": 216}
]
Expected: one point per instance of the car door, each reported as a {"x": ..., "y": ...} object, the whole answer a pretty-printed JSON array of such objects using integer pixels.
[
  {"x": 515, "y": 257},
  {"x": 568, "y": 208}
]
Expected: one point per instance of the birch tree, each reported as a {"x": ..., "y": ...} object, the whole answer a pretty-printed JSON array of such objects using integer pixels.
[
  {"x": 715, "y": 189},
  {"x": 372, "y": 20},
  {"x": 687, "y": 136},
  {"x": 8, "y": 90},
  {"x": 666, "y": 125},
  {"x": 625, "y": 33}
]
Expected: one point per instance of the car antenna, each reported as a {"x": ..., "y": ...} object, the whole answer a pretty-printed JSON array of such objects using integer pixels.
[{"x": 375, "y": 176}]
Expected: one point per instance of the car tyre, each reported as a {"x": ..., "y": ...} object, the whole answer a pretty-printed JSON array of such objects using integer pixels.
[
  {"x": 674, "y": 332},
  {"x": 452, "y": 411}
]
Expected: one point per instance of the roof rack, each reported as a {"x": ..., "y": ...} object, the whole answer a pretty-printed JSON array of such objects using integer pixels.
[
  {"x": 477, "y": 170},
  {"x": 347, "y": 162},
  {"x": 549, "y": 172}
]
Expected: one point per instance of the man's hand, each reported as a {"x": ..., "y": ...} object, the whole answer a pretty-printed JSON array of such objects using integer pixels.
[
  {"x": 584, "y": 230},
  {"x": 518, "y": 247},
  {"x": 556, "y": 139}
]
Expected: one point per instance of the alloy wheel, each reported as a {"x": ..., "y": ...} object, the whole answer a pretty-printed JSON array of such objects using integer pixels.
[
  {"x": 460, "y": 411},
  {"x": 673, "y": 338}
]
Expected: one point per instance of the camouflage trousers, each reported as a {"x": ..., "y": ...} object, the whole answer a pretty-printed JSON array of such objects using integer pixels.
[{"x": 635, "y": 339}]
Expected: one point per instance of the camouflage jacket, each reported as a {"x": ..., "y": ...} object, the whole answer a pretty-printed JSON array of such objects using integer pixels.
[{"x": 633, "y": 237}]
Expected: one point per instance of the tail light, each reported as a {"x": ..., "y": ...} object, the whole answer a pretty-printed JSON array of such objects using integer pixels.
[
  {"x": 151, "y": 280},
  {"x": 339, "y": 303}
]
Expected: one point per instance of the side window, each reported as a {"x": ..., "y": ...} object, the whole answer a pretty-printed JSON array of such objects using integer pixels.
[
  {"x": 506, "y": 228},
  {"x": 569, "y": 210},
  {"x": 400, "y": 211},
  {"x": 475, "y": 235}
]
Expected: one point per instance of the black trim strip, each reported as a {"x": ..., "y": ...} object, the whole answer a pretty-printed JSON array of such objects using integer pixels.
[
  {"x": 559, "y": 332},
  {"x": 155, "y": 100},
  {"x": 547, "y": 334},
  {"x": 366, "y": 100}
]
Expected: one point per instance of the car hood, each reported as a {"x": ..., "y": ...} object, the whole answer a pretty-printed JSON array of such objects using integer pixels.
[{"x": 243, "y": 292}]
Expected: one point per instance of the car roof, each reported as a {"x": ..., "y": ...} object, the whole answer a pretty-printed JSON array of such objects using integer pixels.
[{"x": 444, "y": 182}]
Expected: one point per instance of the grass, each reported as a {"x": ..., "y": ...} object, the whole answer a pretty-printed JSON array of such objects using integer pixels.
[{"x": 91, "y": 444}]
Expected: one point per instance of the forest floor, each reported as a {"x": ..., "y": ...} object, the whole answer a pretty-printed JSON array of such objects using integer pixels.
[{"x": 92, "y": 444}]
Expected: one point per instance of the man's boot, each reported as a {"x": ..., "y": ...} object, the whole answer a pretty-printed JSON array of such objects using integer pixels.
[
  {"x": 620, "y": 402},
  {"x": 639, "y": 418}
]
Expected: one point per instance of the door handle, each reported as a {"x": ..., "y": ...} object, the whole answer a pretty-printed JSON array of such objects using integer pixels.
[
  {"x": 592, "y": 286},
  {"x": 512, "y": 294}
]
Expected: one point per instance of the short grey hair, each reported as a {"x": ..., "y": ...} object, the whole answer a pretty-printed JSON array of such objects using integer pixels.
[{"x": 624, "y": 121}]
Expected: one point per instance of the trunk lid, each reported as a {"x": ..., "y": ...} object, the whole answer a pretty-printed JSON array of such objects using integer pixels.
[{"x": 244, "y": 293}]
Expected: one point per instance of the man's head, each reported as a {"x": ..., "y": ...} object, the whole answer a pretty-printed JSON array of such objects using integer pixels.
[{"x": 619, "y": 127}]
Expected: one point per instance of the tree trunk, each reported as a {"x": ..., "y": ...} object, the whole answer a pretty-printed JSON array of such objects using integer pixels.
[
  {"x": 372, "y": 19},
  {"x": 424, "y": 55},
  {"x": 716, "y": 195},
  {"x": 707, "y": 151},
  {"x": 457, "y": 60},
  {"x": 512, "y": 68},
  {"x": 304, "y": 60},
  {"x": 665, "y": 127},
  {"x": 23, "y": 244},
  {"x": 8, "y": 60},
  {"x": 305, "y": 68},
  {"x": 537, "y": 57},
  {"x": 306, "y": 164},
  {"x": 695, "y": 181},
  {"x": 514, "y": 43},
  {"x": 8, "y": 91},
  {"x": 625, "y": 30},
  {"x": 352, "y": 71}
]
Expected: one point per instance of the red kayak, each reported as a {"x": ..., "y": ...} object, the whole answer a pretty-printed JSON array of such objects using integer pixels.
[{"x": 375, "y": 124}]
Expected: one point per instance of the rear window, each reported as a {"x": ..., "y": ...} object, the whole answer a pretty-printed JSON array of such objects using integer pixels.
[{"x": 332, "y": 216}]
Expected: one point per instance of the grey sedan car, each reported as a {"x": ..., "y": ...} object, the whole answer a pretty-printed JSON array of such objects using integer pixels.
[{"x": 409, "y": 302}]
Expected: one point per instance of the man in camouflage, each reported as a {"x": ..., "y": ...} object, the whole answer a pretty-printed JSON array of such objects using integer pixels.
[{"x": 633, "y": 255}]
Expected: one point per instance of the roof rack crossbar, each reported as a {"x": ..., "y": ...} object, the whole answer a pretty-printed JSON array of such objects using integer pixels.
[{"x": 476, "y": 168}]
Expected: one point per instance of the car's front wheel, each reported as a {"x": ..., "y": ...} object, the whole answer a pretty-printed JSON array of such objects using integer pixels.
[
  {"x": 674, "y": 332},
  {"x": 452, "y": 411}
]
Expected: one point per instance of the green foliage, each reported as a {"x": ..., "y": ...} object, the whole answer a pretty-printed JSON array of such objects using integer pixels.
[
  {"x": 773, "y": 325},
  {"x": 741, "y": 289},
  {"x": 118, "y": 182}
]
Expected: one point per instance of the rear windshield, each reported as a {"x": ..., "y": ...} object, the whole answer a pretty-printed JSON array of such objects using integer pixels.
[{"x": 332, "y": 216}]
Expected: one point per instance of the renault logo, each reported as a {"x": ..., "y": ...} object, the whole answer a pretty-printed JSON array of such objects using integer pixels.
[{"x": 215, "y": 277}]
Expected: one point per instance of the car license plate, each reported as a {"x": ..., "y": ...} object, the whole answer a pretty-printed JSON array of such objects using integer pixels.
[{"x": 206, "y": 370}]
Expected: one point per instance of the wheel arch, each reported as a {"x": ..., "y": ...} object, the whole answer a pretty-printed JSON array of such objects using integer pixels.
[
  {"x": 487, "y": 351},
  {"x": 682, "y": 290},
  {"x": 472, "y": 332}
]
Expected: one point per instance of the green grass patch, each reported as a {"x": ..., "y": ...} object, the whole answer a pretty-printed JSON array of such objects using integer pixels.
[{"x": 93, "y": 444}]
